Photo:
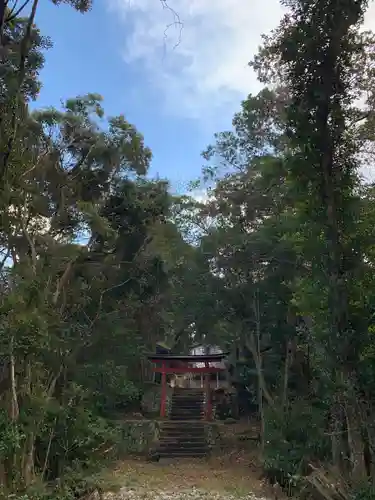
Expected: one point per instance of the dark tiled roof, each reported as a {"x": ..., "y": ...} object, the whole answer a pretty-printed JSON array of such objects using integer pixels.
[{"x": 195, "y": 359}]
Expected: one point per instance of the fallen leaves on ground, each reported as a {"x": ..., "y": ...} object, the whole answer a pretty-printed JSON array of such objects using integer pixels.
[{"x": 229, "y": 478}]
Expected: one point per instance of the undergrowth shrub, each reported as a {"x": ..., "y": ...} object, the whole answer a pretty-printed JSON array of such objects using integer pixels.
[{"x": 293, "y": 439}]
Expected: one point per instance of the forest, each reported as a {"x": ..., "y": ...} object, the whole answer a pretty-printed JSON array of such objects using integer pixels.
[{"x": 99, "y": 261}]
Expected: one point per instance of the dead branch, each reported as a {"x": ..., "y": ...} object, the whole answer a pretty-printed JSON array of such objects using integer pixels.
[
  {"x": 176, "y": 22},
  {"x": 30, "y": 240},
  {"x": 13, "y": 13},
  {"x": 62, "y": 281},
  {"x": 328, "y": 484}
]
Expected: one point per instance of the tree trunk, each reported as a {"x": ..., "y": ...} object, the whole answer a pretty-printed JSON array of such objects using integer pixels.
[
  {"x": 261, "y": 381},
  {"x": 28, "y": 466},
  {"x": 250, "y": 344},
  {"x": 356, "y": 444},
  {"x": 3, "y": 5},
  {"x": 286, "y": 376},
  {"x": 14, "y": 408}
]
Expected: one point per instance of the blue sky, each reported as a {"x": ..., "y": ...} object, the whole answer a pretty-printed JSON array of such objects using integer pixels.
[
  {"x": 86, "y": 57},
  {"x": 177, "y": 70},
  {"x": 176, "y": 96}
]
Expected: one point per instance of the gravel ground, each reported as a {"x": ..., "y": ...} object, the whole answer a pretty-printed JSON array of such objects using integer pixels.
[
  {"x": 188, "y": 494},
  {"x": 228, "y": 478}
]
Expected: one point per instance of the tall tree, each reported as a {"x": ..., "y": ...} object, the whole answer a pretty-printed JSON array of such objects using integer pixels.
[{"x": 316, "y": 50}]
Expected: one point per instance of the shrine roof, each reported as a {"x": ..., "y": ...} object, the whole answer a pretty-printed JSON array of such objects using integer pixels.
[{"x": 189, "y": 358}]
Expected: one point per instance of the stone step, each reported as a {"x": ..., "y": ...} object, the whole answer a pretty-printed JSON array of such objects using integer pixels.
[
  {"x": 188, "y": 396},
  {"x": 187, "y": 416},
  {"x": 183, "y": 425},
  {"x": 181, "y": 411},
  {"x": 175, "y": 405},
  {"x": 182, "y": 437},
  {"x": 188, "y": 402},
  {"x": 182, "y": 418},
  {"x": 182, "y": 432},
  {"x": 186, "y": 408},
  {"x": 178, "y": 449},
  {"x": 190, "y": 407},
  {"x": 183, "y": 444},
  {"x": 185, "y": 395},
  {"x": 188, "y": 390},
  {"x": 191, "y": 424},
  {"x": 182, "y": 454},
  {"x": 181, "y": 399},
  {"x": 187, "y": 405},
  {"x": 186, "y": 433},
  {"x": 186, "y": 449}
]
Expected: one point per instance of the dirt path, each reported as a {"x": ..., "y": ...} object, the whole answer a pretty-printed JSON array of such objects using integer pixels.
[{"x": 230, "y": 479}]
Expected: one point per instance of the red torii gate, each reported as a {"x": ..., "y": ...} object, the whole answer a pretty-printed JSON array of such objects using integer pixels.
[{"x": 169, "y": 363}]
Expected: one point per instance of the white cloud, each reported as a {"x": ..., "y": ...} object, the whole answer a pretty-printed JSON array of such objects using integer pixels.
[
  {"x": 201, "y": 195},
  {"x": 200, "y": 67},
  {"x": 369, "y": 23}
]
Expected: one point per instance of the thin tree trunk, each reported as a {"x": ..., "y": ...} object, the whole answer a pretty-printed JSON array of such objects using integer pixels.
[
  {"x": 14, "y": 407},
  {"x": 3, "y": 6},
  {"x": 335, "y": 430},
  {"x": 355, "y": 443},
  {"x": 250, "y": 344},
  {"x": 286, "y": 376},
  {"x": 261, "y": 381},
  {"x": 3, "y": 474},
  {"x": 261, "y": 417},
  {"x": 28, "y": 468},
  {"x": 46, "y": 460}
]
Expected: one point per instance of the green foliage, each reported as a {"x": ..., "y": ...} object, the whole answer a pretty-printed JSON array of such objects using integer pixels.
[
  {"x": 11, "y": 436},
  {"x": 296, "y": 437},
  {"x": 290, "y": 242},
  {"x": 83, "y": 282},
  {"x": 364, "y": 492},
  {"x": 110, "y": 389}
]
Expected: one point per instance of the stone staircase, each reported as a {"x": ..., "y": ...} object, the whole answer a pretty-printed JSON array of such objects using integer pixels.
[
  {"x": 184, "y": 434},
  {"x": 187, "y": 404}
]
